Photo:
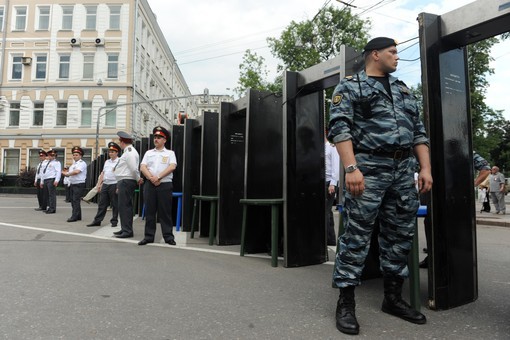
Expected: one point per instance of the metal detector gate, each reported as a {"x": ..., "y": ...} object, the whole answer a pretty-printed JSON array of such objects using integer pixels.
[
  {"x": 303, "y": 152},
  {"x": 453, "y": 277}
]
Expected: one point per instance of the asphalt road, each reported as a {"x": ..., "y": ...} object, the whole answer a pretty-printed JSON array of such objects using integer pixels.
[{"x": 66, "y": 281}]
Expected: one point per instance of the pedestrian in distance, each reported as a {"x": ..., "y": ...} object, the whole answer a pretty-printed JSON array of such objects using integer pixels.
[
  {"x": 158, "y": 166},
  {"x": 128, "y": 178},
  {"x": 42, "y": 200},
  {"x": 107, "y": 186},
  {"x": 332, "y": 176},
  {"x": 497, "y": 190},
  {"x": 77, "y": 174},
  {"x": 375, "y": 125}
]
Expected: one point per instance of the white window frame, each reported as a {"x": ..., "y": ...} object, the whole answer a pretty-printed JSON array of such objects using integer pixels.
[
  {"x": 61, "y": 64},
  {"x": 13, "y": 158},
  {"x": 114, "y": 23},
  {"x": 88, "y": 66},
  {"x": 91, "y": 17},
  {"x": 38, "y": 109},
  {"x": 68, "y": 16},
  {"x": 15, "y": 64},
  {"x": 62, "y": 109},
  {"x": 113, "y": 66},
  {"x": 2, "y": 17},
  {"x": 38, "y": 63},
  {"x": 86, "y": 110},
  {"x": 20, "y": 19},
  {"x": 40, "y": 17},
  {"x": 14, "y": 111}
]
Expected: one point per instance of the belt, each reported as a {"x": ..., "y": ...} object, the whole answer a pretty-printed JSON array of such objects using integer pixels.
[{"x": 397, "y": 154}]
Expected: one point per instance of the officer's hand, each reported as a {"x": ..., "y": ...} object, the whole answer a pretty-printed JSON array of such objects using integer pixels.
[
  {"x": 424, "y": 181},
  {"x": 355, "y": 183}
]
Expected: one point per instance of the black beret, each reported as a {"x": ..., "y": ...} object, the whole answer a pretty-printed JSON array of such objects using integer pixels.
[
  {"x": 160, "y": 131},
  {"x": 379, "y": 44},
  {"x": 113, "y": 146},
  {"x": 124, "y": 135},
  {"x": 43, "y": 153},
  {"x": 77, "y": 149}
]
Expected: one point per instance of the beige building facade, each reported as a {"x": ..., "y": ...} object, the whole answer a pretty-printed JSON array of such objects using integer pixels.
[{"x": 68, "y": 71}]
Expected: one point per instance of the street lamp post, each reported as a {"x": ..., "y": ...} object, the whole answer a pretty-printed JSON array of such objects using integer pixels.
[{"x": 113, "y": 107}]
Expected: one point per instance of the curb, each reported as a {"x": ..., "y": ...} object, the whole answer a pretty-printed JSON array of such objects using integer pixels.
[{"x": 497, "y": 223}]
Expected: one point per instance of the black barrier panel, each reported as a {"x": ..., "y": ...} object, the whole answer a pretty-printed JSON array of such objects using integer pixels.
[
  {"x": 264, "y": 168},
  {"x": 452, "y": 247},
  {"x": 231, "y": 170},
  {"x": 191, "y": 168},
  {"x": 305, "y": 231},
  {"x": 208, "y": 166},
  {"x": 178, "y": 148}
]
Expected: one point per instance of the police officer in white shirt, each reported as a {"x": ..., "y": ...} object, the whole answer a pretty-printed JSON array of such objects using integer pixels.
[
  {"x": 128, "y": 176},
  {"x": 332, "y": 176},
  {"x": 77, "y": 174},
  {"x": 107, "y": 186},
  {"x": 158, "y": 166},
  {"x": 51, "y": 177},
  {"x": 41, "y": 198}
]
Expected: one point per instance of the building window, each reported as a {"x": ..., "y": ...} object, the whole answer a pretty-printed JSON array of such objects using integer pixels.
[
  {"x": 86, "y": 113},
  {"x": 14, "y": 114},
  {"x": 44, "y": 17},
  {"x": 17, "y": 68},
  {"x": 111, "y": 115},
  {"x": 21, "y": 18},
  {"x": 87, "y": 155},
  {"x": 90, "y": 22},
  {"x": 40, "y": 66},
  {"x": 1, "y": 18},
  {"x": 11, "y": 161},
  {"x": 33, "y": 158},
  {"x": 63, "y": 72},
  {"x": 114, "y": 17},
  {"x": 38, "y": 114},
  {"x": 67, "y": 17},
  {"x": 113, "y": 66},
  {"x": 88, "y": 66},
  {"x": 62, "y": 114}
]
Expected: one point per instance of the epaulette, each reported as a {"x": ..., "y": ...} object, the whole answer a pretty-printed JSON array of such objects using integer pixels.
[
  {"x": 129, "y": 148},
  {"x": 348, "y": 78}
]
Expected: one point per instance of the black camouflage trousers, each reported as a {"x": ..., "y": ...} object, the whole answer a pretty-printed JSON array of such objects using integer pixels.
[{"x": 391, "y": 195}]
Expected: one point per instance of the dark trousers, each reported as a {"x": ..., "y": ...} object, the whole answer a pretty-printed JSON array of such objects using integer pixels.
[
  {"x": 41, "y": 198},
  {"x": 158, "y": 199},
  {"x": 76, "y": 195},
  {"x": 330, "y": 222},
  {"x": 68, "y": 193},
  {"x": 107, "y": 196},
  {"x": 51, "y": 191},
  {"x": 125, "y": 192}
]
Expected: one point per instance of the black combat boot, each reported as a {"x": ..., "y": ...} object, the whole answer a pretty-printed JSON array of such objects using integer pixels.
[
  {"x": 345, "y": 316},
  {"x": 394, "y": 305}
]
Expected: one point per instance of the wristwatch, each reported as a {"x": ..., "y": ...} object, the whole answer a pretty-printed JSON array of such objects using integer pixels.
[{"x": 351, "y": 168}]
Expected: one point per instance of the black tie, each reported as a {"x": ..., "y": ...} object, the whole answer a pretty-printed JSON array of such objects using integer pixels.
[{"x": 47, "y": 166}]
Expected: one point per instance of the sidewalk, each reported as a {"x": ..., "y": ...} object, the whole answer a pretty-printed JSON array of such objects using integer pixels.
[{"x": 491, "y": 218}]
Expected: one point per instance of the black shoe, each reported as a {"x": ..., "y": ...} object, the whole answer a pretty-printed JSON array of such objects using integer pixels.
[
  {"x": 144, "y": 242},
  {"x": 124, "y": 235},
  {"x": 425, "y": 262},
  {"x": 117, "y": 232},
  {"x": 114, "y": 225},
  {"x": 171, "y": 242},
  {"x": 345, "y": 312},
  {"x": 39, "y": 209},
  {"x": 50, "y": 211},
  {"x": 394, "y": 305},
  {"x": 71, "y": 219},
  {"x": 94, "y": 224}
]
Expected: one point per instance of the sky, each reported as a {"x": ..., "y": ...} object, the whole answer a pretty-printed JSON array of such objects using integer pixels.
[{"x": 209, "y": 38}]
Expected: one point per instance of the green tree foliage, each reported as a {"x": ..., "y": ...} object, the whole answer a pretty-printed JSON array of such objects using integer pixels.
[{"x": 304, "y": 44}]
